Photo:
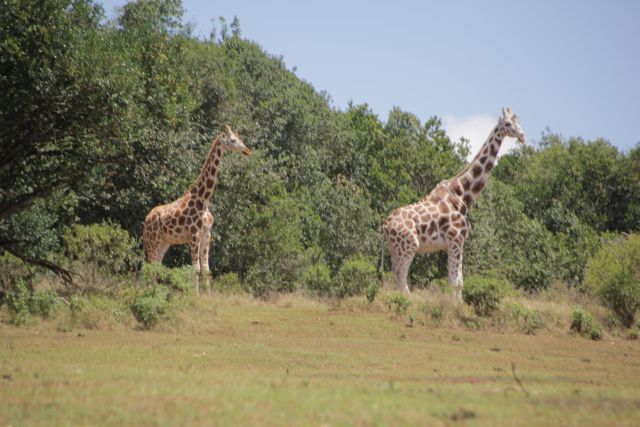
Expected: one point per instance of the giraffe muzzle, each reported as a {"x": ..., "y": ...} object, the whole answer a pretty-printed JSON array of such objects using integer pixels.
[{"x": 246, "y": 151}]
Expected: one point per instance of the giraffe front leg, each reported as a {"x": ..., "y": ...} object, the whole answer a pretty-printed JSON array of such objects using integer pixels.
[
  {"x": 205, "y": 244},
  {"x": 194, "y": 245},
  {"x": 455, "y": 269}
]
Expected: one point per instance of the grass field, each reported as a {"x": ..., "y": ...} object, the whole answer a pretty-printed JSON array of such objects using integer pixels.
[{"x": 228, "y": 360}]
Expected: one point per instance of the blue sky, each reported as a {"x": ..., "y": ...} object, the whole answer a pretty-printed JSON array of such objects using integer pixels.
[{"x": 570, "y": 66}]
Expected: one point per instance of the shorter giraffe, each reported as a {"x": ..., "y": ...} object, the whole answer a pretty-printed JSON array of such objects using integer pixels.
[
  {"x": 187, "y": 219},
  {"x": 439, "y": 221}
]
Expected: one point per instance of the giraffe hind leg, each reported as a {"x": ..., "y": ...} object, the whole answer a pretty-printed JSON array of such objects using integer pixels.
[
  {"x": 454, "y": 261},
  {"x": 400, "y": 263}
]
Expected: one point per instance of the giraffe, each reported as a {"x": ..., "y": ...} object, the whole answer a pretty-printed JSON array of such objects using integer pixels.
[
  {"x": 439, "y": 221},
  {"x": 187, "y": 219}
]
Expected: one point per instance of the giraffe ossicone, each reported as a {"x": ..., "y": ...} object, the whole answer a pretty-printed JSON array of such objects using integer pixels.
[
  {"x": 187, "y": 219},
  {"x": 439, "y": 221}
]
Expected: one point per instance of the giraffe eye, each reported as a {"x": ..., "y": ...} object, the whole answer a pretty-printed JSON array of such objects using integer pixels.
[{"x": 508, "y": 124}]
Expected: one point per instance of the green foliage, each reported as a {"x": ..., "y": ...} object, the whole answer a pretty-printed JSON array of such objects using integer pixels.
[
  {"x": 317, "y": 278},
  {"x": 355, "y": 275},
  {"x": 43, "y": 302},
  {"x": 174, "y": 279},
  {"x": 397, "y": 304},
  {"x": 104, "y": 248},
  {"x": 583, "y": 324},
  {"x": 483, "y": 294},
  {"x": 613, "y": 274},
  {"x": 13, "y": 272},
  {"x": 592, "y": 180},
  {"x": 17, "y": 300},
  {"x": 17, "y": 293},
  {"x": 339, "y": 220},
  {"x": 434, "y": 313},
  {"x": 228, "y": 283},
  {"x": 371, "y": 291},
  {"x": 150, "y": 306},
  {"x": 530, "y": 320}
]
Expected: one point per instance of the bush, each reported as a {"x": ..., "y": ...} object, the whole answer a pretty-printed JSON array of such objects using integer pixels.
[
  {"x": 42, "y": 303},
  {"x": 435, "y": 313},
  {"x": 483, "y": 294},
  {"x": 104, "y": 248},
  {"x": 317, "y": 278},
  {"x": 371, "y": 291},
  {"x": 583, "y": 324},
  {"x": 397, "y": 304},
  {"x": 229, "y": 283},
  {"x": 529, "y": 320},
  {"x": 17, "y": 300},
  {"x": 355, "y": 275},
  {"x": 175, "y": 279},
  {"x": 613, "y": 274},
  {"x": 150, "y": 306},
  {"x": 13, "y": 271}
]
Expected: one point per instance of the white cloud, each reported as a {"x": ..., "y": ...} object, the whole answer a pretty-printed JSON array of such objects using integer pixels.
[{"x": 476, "y": 129}]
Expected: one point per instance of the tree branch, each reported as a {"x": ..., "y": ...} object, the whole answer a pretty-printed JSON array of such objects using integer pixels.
[{"x": 63, "y": 273}]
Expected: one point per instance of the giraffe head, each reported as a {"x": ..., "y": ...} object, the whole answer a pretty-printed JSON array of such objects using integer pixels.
[
  {"x": 230, "y": 141},
  {"x": 510, "y": 123}
]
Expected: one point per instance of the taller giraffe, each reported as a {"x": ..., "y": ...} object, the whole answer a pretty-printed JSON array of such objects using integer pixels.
[
  {"x": 187, "y": 219},
  {"x": 439, "y": 221}
]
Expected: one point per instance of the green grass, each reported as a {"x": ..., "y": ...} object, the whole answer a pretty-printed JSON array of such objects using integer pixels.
[{"x": 231, "y": 360}]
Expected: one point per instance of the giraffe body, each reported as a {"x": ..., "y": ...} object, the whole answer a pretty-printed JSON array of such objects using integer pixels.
[
  {"x": 439, "y": 221},
  {"x": 187, "y": 219}
]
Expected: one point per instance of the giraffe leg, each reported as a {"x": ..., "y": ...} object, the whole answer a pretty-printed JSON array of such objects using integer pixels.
[
  {"x": 156, "y": 251},
  {"x": 402, "y": 272},
  {"x": 205, "y": 245},
  {"x": 163, "y": 247},
  {"x": 194, "y": 245},
  {"x": 400, "y": 263},
  {"x": 455, "y": 268},
  {"x": 205, "y": 242}
]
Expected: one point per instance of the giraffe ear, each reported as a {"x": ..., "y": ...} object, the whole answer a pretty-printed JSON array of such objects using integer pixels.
[
  {"x": 504, "y": 112},
  {"x": 228, "y": 129}
]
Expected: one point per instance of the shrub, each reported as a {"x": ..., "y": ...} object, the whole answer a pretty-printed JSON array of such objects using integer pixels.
[
  {"x": 229, "y": 283},
  {"x": 583, "y": 324},
  {"x": 42, "y": 303},
  {"x": 317, "y": 278},
  {"x": 76, "y": 305},
  {"x": 104, "y": 248},
  {"x": 150, "y": 306},
  {"x": 613, "y": 274},
  {"x": 483, "y": 294},
  {"x": 397, "y": 304},
  {"x": 528, "y": 319},
  {"x": 17, "y": 300},
  {"x": 355, "y": 275},
  {"x": 434, "y": 313},
  {"x": 371, "y": 291},
  {"x": 13, "y": 271},
  {"x": 533, "y": 321},
  {"x": 175, "y": 279}
]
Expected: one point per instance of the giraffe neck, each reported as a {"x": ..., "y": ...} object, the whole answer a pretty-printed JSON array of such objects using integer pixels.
[
  {"x": 471, "y": 181},
  {"x": 203, "y": 187}
]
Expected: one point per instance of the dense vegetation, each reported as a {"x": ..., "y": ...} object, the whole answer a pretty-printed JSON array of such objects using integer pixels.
[{"x": 103, "y": 119}]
